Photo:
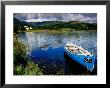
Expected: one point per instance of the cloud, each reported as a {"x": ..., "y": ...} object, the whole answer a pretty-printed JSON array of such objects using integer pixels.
[
  {"x": 25, "y": 16},
  {"x": 84, "y": 17},
  {"x": 79, "y": 17}
]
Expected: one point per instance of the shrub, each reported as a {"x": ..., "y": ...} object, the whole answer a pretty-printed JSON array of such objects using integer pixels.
[{"x": 19, "y": 53}]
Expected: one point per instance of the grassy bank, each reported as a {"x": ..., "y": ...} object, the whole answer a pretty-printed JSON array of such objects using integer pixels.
[
  {"x": 22, "y": 64},
  {"x": 54, "y": 31}
]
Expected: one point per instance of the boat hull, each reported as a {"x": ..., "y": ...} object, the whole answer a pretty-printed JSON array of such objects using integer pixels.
[{"x": 85, "y": 61}]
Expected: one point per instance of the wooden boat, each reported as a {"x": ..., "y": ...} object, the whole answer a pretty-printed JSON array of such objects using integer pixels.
[{"x": 83, "y": 56}]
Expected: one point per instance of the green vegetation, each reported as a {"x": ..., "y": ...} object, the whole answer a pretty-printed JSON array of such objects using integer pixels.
[
  {"x": 18, "y": 26},
  {"x": 68, "y": 25},
  {"x": 53, "y": 25},
  {"x": 30, "y": 69},
  {"x": 22, "y": 64},
  {"x": 50, "y": 31}
]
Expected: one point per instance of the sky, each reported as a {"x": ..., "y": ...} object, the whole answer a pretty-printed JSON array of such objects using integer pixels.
[{"x": 39, "y": 17}]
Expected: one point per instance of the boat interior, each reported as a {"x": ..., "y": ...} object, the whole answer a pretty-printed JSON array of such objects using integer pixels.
[{"x": 78, "y": 50}]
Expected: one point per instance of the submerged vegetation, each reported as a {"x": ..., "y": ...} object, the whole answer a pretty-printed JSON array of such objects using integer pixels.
[{"x": 22, "y": 64}]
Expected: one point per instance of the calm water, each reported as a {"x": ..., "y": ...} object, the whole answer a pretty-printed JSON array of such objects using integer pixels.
[{"x": 47, "y": 50}]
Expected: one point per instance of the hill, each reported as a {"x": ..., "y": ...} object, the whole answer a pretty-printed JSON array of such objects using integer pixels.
[{"x": 57, "y": 25}]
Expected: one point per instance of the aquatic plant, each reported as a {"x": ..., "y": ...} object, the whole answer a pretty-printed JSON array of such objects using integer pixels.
[
  {"x": 22, "y": 64},
  {"x": 30, "y": 69}
]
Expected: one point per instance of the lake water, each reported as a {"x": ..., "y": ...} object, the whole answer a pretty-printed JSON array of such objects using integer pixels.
[{"x": 47, "y": 50}]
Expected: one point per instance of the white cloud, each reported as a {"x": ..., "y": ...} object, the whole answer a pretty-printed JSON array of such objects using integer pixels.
[
  {"x": 35, "y": 17},
  {"x": 40, "y": 19}
]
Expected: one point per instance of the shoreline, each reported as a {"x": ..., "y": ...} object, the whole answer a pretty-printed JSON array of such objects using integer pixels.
[{"x": 54, "y": 31}]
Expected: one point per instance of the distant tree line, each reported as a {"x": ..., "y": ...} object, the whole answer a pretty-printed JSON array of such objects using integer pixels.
[{"x": 61, "y": 25}]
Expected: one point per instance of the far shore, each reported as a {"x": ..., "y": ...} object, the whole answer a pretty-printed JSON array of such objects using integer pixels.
[{"x": 54, "y": 31}]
